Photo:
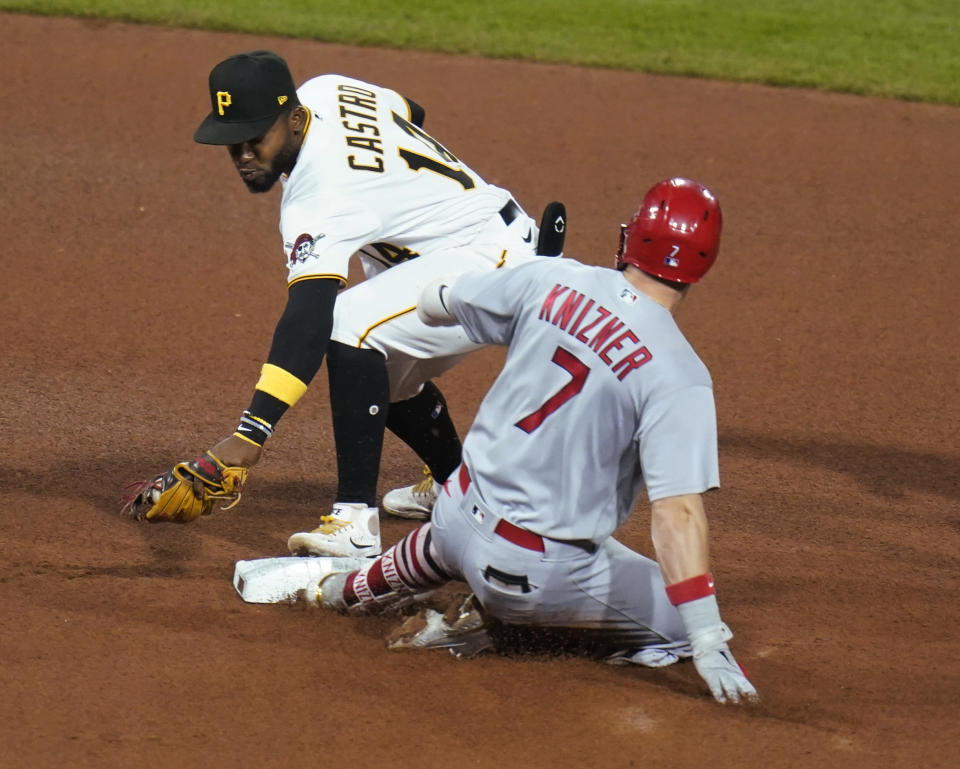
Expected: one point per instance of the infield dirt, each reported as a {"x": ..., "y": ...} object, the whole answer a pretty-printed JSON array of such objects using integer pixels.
[{"x": 141, "y": 285}]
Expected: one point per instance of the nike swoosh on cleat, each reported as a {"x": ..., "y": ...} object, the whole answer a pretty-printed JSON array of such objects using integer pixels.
[{"x": 359, "y": 547}]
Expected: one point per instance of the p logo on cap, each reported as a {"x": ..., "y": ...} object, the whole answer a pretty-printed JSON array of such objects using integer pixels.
[{"x": 224, "y": 100}]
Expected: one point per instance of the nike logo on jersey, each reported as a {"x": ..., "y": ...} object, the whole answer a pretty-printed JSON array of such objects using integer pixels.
[
  {"x": 587, "y": 325},
  {"x": 529, "y": 236}
]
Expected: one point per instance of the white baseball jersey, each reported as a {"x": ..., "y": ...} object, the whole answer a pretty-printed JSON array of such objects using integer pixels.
[
  {"x": 600, "y": 394},
  {"x": 368, "y": 181}
]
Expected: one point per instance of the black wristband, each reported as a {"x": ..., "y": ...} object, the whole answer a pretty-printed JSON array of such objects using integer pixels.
[
  {"x": 254, "y": 429},
  {"x": 259, "y": 420}
]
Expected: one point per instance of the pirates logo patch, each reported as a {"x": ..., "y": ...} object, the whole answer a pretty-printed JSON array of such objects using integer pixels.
[{"x": 302, "y": 249}]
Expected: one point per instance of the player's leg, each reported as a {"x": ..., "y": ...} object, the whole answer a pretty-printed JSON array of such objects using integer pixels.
[
  {"x": 424, "y": 424},
  {"x": 408, "y": 568},
  {"x": 610, "y": 598},
  {"x": 359, "y": 405},
  {"x": 359, "y": 389},
  {"x": 406, "y": 573},
  {"x": 424, "y": 559},
  {"x": 359, "y": 397},
  {"x": 589, "y": 601}
]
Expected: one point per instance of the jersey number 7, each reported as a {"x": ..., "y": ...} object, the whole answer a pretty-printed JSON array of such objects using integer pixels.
[{"x": 578, "y": 370}]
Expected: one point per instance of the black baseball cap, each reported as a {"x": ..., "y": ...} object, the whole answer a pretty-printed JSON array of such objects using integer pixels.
[{"x": 247, "y": 91}]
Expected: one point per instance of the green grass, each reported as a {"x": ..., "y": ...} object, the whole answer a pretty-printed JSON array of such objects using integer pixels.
[{"x": 906, "y": 49}]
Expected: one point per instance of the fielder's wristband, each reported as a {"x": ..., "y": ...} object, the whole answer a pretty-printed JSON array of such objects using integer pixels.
[
  {"x": 690, "y": 589},
  {"x": 281, "y": 384},
  {"x": 253, "y": 429}
]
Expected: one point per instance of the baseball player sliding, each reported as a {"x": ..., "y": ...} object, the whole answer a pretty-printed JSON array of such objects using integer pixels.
[
  {"x": 600, "y": 395},
  {"x": 359, "y": 175}
]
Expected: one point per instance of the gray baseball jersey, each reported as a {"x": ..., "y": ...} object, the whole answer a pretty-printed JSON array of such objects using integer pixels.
[{"x": 600, "y": 395}]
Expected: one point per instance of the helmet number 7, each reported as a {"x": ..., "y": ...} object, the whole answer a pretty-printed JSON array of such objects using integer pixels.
[{"x": 578, "y": 370}]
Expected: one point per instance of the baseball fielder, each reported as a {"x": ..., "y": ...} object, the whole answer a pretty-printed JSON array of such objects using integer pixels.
[
  {"x": 600, "y": 396},
  {"x": 359, "y": 176}
]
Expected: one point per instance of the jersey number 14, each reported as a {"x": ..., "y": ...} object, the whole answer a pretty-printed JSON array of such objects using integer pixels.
[{"x": 418, "y": 162}]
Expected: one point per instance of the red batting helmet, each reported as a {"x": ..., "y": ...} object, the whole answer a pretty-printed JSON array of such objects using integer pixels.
[{"x": 674, "y": 234}]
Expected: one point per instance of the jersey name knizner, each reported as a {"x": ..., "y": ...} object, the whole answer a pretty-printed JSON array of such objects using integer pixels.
[
  {"x": 358, "y": 110},
  {"x": 597, "y": 327}
]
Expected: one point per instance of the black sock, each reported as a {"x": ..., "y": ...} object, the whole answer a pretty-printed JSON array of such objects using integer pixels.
[
  {"x": 424, "y": 424},
  {"x": 359, "y": 403}
]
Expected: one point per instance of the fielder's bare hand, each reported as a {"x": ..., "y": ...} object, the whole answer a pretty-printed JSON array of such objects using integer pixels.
[{"x": 237, "y": 452}]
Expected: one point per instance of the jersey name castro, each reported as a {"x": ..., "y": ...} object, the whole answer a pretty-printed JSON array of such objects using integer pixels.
[{"x": 368, "y": 181}]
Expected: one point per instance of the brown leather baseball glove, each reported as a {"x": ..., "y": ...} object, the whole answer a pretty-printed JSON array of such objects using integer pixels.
[{"x": 186, "y": 492}]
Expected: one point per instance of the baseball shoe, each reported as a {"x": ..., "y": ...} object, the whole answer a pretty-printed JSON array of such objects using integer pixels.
[
  {"x": 413, "y": 502},
  {"x": 653, "y": 656},
  {"x": 462, "y": 629},
  {"x": 327, "y": 592},
  {"x": 350, "y": 531}
]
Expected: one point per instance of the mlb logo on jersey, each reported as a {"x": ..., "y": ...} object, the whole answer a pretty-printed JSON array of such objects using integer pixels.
[{"x": 627, "y": 296}]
